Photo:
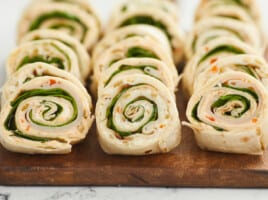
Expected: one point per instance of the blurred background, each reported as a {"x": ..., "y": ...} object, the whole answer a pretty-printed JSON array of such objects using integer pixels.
[{"x": 11, "y": 11}]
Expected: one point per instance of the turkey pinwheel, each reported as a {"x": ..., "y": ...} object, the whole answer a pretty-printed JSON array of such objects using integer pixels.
[
  {"x": 29, "y": 72},
  {"x": 210, "y": 53},
  {"x": 47, "y": 51},
  {"x": 130, "y": 31},
  {"x": 46, "y": 115},
  {"x": 229, "y": 11},
  {"x": 133, "y": 47},
  {"x": 74, "y": 44},
  {"x": 210, "y": 28},
  {"x": 131, "y": 5},
  {"x": 161, "y": 17},
  {"x": 253, "y": 65},
  {"x": 230, "y": 114},
  {"x": 137, "y": 115},
  {"x": 83, "y": 4},
  {"x": 147, "y": 66},
  {"x": 226, "y": 8},
  {"x": 65, "y": 17}
]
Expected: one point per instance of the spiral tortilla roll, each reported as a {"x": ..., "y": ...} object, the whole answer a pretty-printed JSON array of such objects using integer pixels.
[
  {"x": 46, "y": 115},
  {"x": 131, "y": 13},
  {"x": 229, "y": 11},
  {"x": 65, "y": 17},
  {"x": 169, "y": 7},
  {"x": 83, "y": 4},
  {"x": 214, "y": 27},
  {"x": 137, "y": 115},
  {"x": 32, "y": 71},
  {"x": 208, "y": 7},
  {"x": 130, "y": 31},
  {"x": 253, "y": 65},
  {"x": 47, "y": 51},
  {"x": 133, "y": 47},
  {"x": 74, "y": 44},
  {"x": 146, "y": 66},
  {"x": 209, "y": 54},
  {"x": 229, "y": 114},
  {"x": 237, "y": 12}
]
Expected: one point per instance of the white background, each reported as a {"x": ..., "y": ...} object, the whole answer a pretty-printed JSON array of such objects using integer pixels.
[{"x": 10, "y": 11}]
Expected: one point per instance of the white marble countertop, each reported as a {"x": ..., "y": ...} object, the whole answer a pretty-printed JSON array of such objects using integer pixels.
[
  {"x": 10, "y": 11},
  {"x": 126, "y": 193}
]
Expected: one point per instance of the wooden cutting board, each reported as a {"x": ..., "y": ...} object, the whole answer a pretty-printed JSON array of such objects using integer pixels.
[{"x": 187, "y": 165}]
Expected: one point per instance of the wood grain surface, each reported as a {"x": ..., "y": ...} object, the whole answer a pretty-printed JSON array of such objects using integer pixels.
[{"x": 187, "y": 166}]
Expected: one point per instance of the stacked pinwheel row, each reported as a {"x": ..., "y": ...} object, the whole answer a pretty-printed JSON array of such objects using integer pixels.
[
  {"x": 45, "y": 107},
  {"x": 134, "y": 77},
  {"x": 227, "y": 78}
]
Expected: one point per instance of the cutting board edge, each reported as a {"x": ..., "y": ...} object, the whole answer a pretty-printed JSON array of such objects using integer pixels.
[{"x": 212, "y": 178}]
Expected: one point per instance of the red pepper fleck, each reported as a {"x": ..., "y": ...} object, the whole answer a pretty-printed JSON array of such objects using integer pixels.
[
  {"x": 118, "y": 109},
  {"x": 22, "y": 121},
  {"x": 126, "y": 86},
  {"x": 211, "y": 118},
  {"x": 213, "y": 60},
  {"x": 254, "y": 120},
  {"x": 214, "y": 69},
  {"x": 206, "y": 48},
  {"x": 162, "y": 126},
  {"x": 233, "y": 83},
  {"x": 52, "y": 82},
  {"x": 28, "y": 128},
  {"x": 118, "y": 136}
]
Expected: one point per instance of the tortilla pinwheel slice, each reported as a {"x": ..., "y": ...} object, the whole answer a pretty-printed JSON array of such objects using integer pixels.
[
  {"x": 30, "y": 72},
  {"x": 207, "y": 7},
  {"x": 252, "y": 65},
  {"x": 146, "y": 66},
  {"x": 171, "y": 8},
  {"x": 155, "y": 16},
  {"x": 47, "y": 51},
  {"x": 68, "y": 18},
  {"x": 83, "y": 4},
  {"x": 215, "y": 27},
  {"x": 46, "y": 115},
  {"x": 117, "y": 35},
  {"x": 137, "y": 115},
  {"x": 74, "y": 44},
  {"x": 229, "y": 114},
  {"x": 236, "y": 12},
  {"x": 229, "y": 11},
  {"x": 134, "y": 47},
  {"x": 209, "y": 54}
]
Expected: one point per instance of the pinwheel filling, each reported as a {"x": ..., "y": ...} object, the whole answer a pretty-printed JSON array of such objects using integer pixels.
[
  {"x": 146, "y": 20},
  {"x": 222, "y": 48},
  {"x": 49, "y": 111},
  {"x": 59, "y": 15},
  {"x": 238, "y": 105},
  {"x": 146, "y": 69},
  {"x": 140, "y": 110},
  {"x": 57, "y": 62},
  {"x": 233, "y": 32}
]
